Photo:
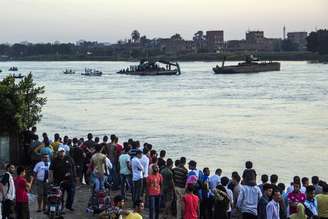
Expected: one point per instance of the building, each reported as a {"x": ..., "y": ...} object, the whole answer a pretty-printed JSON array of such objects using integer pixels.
[
  {"x": 254, "y": 36},
  {"x": 214, "y": 39},
  {"x": 298, "y": 38}
]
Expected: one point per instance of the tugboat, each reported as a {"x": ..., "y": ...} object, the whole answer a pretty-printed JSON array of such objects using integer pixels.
[
  {"x": 91, "y": 72},
  {"x": 251, "y": 65},
  {"x": 152, "y": 68},
  {"x": 13, "y": 68},
  {"x": 69, "y": 72}
]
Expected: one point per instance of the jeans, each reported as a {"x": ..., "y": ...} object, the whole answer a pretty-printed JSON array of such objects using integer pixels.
[
  {"x": 114, "y": 178},
  {"x": 7, "y": 208},
  {"x": 154, "y": 204},
  {"x": 98, "y": 182},
  {"x": 137, "y": 188},
  {"x": 70, "y": 189},
  {"x": 125, "y": 184}
]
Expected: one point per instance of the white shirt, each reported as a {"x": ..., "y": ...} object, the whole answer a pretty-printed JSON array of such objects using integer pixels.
[
  {"x": 109, "y": 165},
  {"x": 145, "y": 164},
  {"x": 214, "y": 181},
  {"x": 137, "y": 169},
  {"x": 9, "y": 192},
  {"x": 65, "y": 146},
  {"x": 39, "y": 170},
  {"x": 230, "y": 196},
  {"x": 248, "y": 199}
]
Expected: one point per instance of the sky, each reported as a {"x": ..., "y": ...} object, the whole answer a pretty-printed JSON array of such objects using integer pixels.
[{"x": 112, "y": 20}]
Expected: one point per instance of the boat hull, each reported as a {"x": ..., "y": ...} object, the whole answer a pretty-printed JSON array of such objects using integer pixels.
[
  {"x": 247, "y": 68},
  {"x": 150, "y": 73}
]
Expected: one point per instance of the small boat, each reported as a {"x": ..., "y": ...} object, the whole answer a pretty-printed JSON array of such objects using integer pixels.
[
  {"x": 69, "y": 72},
  {"x": 13, "y": 68},
  {"x": 152, "y": 68},
  {"x": 0, "y": 70},
  {"x": 251, "y": 65},
  {"x": 19, "y": 76},
  {"x": 91, "y": 72}
]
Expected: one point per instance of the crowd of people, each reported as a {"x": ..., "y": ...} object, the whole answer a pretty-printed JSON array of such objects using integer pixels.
[{"x": 144, "y": 177}]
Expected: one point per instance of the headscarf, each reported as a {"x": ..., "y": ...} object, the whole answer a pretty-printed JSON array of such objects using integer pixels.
[{"x": 300, "y": 212}]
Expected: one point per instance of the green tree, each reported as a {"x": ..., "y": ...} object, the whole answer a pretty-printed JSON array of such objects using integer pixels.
[
  {"x": 20, "y": 103},
  {"x": 135, "y": 35},
  {"x": 176, "y": 37},
  {"x": 318, "y": 42}
]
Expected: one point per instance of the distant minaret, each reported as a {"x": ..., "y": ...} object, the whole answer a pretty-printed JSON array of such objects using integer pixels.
[{"x": 284, "y": 33}]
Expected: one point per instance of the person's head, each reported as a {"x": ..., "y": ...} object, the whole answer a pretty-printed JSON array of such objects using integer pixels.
[
  {"x": 116, "y": 140},
  {"x": 274, "y": 178},
  {"x": 65, "y": 139},
  {"x": 281, "y": 187},
  {"x": 264, "y": 178},
  {"x": 276, "y": 196},
  {"x": 136, "y": 142},
  {"x": 126, "y": 150},
  {"x": 98, "y": 148},
  {"x": 139, "y": 154},
  {"x": 112, "y": 138},
  {"x": 169, "y": 163},
  {"x": 183, "y": 161},
  {"x": 45, "y": 157},
  {"x": 61, "y": 153},
  {"x": 218, "y": 172},
  {"x": 267, "y": 189},
  {"x": 145, "y": 151},
  {"x": 105, "y": 138},
  {"x": 21, "y": 171},
  {"x": 176, "y": 163},
  {"x": 46, "y": 142},
  {"x": 33, "y": 129},
  {"x": 89, "y": 136},
  {"x": 56, "y": 137},
  {"x": 44, "y": 134},
  {"x": 224, "y": 181},
  {"x": 189, "y": 188},
  {"x": 310, "y": 192},
  {"x": 192, "y": 165},
  {"x": 235, "y": 178},
  {"x": 75, "y": 141},
  {"x": 119, "y": 201},
  {"x": 305, "y": 181},
  {"x": 162, "y": 153},
  {"x": 97, "y": 139},
  {"x": 315, "y": 180},
  {"x": 297, "y": 180},
  {"x": 81, "y": 141},
  {"x": 153, "y": 153},
  {"x": 297, "y": 187},
  {"x": 206, "y": 171},
  {"x": 139, "y": 206},
  {"x": 10, "y": 168},
  {"x": 155, "y": 169},
  {"x": 249, "y": 165}
]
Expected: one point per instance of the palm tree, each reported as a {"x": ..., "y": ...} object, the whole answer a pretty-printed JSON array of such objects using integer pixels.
[{"x": 135, "y": 35}]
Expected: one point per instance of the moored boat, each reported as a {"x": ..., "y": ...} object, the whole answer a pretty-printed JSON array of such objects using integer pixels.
[
  {"x": 14, "y": 68},
  {"x": 19, "y": 76},
  {"x": 152, "y": 68},
  {"x": 251, "y": 65},
  {"x": 69, "y": 71},
  {"x": 91, "y": 72}
]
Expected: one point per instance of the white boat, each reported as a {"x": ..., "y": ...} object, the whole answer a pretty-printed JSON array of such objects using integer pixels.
[
  {"x": 91, "y": 72},
  {"x": 69, "y": 71}
]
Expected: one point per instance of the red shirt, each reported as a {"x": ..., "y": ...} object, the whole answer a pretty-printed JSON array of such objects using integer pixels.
[
  {"x": 295, "y": 197},
  {"x": 191, "y": 206},
  {"x": 118, "y": 149},
  {"x": 154, "y": 183},
  {"x": 21, "y": 193}
]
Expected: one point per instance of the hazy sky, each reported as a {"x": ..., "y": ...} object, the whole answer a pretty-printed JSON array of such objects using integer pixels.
[{"x": 111, "y": 20}]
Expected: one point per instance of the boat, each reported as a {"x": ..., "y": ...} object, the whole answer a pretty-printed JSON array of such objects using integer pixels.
[
  {"x": 91, "y": 72},
  {"x": 152, "y": 68},
  {"x": 19, "y": 76},
  {"x": 251, "y": 65},
  {"x": 69, "y": 71},
  {"x": 13, "y": 68},
  {"x": 0, "y": 70}
]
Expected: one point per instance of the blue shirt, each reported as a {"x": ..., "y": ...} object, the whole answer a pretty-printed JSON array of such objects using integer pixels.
[
  {"x": 272, "y": 210},
  {"x": 248, "y": 199},
  {"x": 47, "y": 150}
]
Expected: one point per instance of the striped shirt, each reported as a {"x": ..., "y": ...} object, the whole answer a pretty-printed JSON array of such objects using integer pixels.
[{"x": 180, "y": 176}]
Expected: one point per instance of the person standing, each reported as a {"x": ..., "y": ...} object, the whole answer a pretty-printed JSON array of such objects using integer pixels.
[
  {"x": 322, "y": 200},
  {"x": 311, "y": 204},
  {"x": 62, "y": 171},
  {"x": 190, "y": 204},
  {"x": 7, "y": 189},
  {"x": 161, "y": 160},
  {"x": 125, "y": 172},
  {"x": 248, "y": 200},
  {"x": 264, "y": 200},
  {"x": 168, "y": 187},
  {"x": 295, "y": 197},
  {"x": 78, "y": 156},
  {"x": 154, "y": 183},
  {"x": 264, "y": 180},
  {"x": 22, "y": 187},
  {"x": 315, "y": 183},
  {"x": 98, "y": 169},
  {"x": 272, "y": 208},
  {"x": 41, "y": 174},
  {"x": 225, "y": 181},
  {"x": 180, "y": 174},
  {"x": 137, "y": 176}
]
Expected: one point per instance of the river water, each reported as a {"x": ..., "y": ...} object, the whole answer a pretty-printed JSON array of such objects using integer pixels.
[{"x": 279, "y": 120}]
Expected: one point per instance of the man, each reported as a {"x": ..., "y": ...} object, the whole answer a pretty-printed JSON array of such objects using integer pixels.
[
  {"x": 22, "y": 188},
  {"x": 98, "y": 166},
  {"x": 116, "y": 210},
  {"x": 55, "y": 144},
  {"x": 137, "y": 176},
  {"x": 125, "y": 172},
  {"x": 264, "y": 179},
  {"x": 145, "y": 163},
  {"x": 310, "y": 204},
  {"x": 41, "y": 174},
  {"x": 315, "y": 183},
  {"x": 322, "y": 200},
  {"x": 35, "y": 150},
  {"x": 154, "y": 183},
  {"x": 65, "y": 144},
  {"x": 272, "y": 209},
  {"x": 180, "y": 174},
  {"x": 249, "y": 174},
  {"x": 305, "y": 183},
  {"x": 7, "y": 189},
  {"x": 137, "y": 212},
  {"x": 294, "y": 198},
  {"x": 78, "y": 156},
  {"x": 161, "y": 160},
  {"x": 215, "y": 180},
  {"x": 274, "y": 179},
  {"x": 62, "y": 170},
  {"x": 193, "y": 170},
  {"x": 47, "y": 149},
  {"x": 224, "y": 182},
  {"x": 167, "y": 187},
  {"x": 264, "y": 200},
  {"x": 248, "y": 199},
  {"x": 235, "y": 181},
  {"x": 88, "y": 148}
]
